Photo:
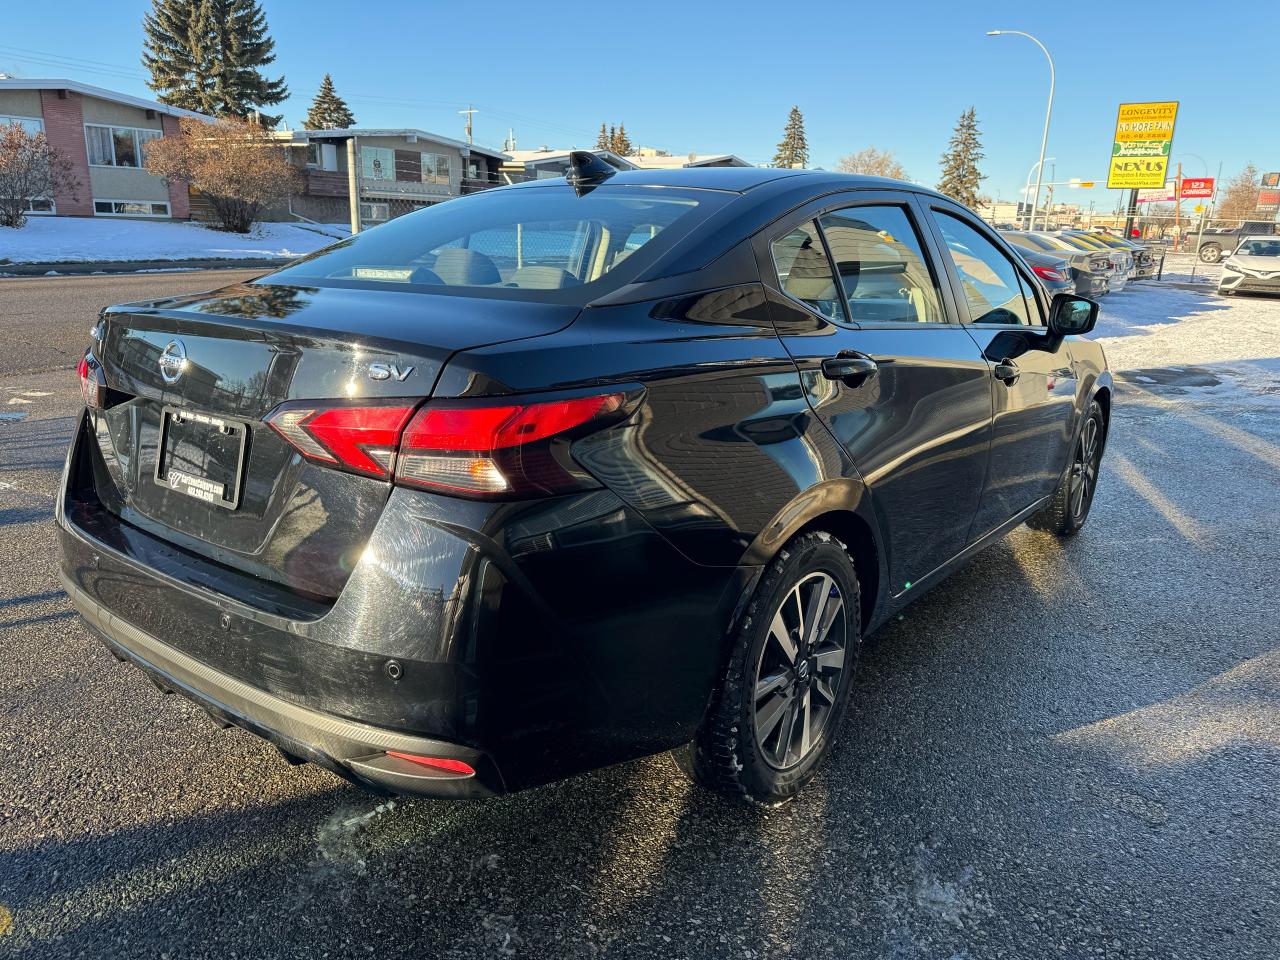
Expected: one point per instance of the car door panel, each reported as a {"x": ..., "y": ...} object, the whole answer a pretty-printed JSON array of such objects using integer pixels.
[
  {"x": 1033, "y": 407},
  {"x": 917, "y": 427}
]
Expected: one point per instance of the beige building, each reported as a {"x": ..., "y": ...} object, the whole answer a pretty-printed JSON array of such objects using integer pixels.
[
  {"x": 399, "y": 171},
  {"x": 103, "y": 134}
]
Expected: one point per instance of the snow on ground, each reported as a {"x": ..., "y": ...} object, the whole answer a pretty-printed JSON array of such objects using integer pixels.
[
  {"x": 1185, "y": 325},
  {"x": 80, "y": 239}
]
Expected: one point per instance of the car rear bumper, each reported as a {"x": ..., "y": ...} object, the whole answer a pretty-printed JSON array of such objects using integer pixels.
[
  {"x": 356, "y": 751},
  {"x": 531, "y": 641}
]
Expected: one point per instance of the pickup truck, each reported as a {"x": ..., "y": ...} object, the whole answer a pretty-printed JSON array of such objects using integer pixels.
[{"x": 1216, "y": 244}]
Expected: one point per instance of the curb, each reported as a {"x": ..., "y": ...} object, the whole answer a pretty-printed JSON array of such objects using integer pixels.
[{"x": 135, "y": 266}]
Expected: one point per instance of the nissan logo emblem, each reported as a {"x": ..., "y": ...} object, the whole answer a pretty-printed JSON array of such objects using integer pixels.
[{"x": 173, "y": 361}]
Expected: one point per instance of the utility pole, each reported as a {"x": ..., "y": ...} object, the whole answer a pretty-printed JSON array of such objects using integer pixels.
[
  {"x": 1177, "y": 210},
  {"x": 1213, "y": 205},
  {"x": 468, "y": 113},
  {"x": 1130, "y": 212},
  {"x": 353, "y": 183}
]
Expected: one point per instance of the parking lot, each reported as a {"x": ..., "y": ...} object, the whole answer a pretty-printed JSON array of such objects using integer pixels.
[{"x": 1064, "y": 751}]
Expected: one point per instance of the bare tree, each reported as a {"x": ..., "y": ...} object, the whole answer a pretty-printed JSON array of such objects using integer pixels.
[
  {"x": 873, "y": 163},
  {"x": 30, "y": 170},
  {"x": 1239, "y": 197},
  {"x": 237, "y": 166}
]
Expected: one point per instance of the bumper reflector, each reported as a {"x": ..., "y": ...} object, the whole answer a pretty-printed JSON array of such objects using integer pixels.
[{"x": 436, "y": 763}]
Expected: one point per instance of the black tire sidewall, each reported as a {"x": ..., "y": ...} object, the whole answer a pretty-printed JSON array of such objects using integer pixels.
[
  {"x": 1075, "y": 523},
  {"x": 759, "y": 778}
]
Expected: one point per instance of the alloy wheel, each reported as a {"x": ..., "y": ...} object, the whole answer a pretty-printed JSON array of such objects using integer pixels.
[
  {"x": 799, "y": 672},
  {"x": 1084, "y": 471}
]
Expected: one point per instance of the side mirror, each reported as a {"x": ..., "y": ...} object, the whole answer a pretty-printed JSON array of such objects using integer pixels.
[{"x": 1071, "y": 316}]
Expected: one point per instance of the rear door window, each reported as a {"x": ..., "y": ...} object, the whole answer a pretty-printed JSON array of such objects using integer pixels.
[
  {"x": 804, "y": 270},
  {"x": 881, "y": 265}
]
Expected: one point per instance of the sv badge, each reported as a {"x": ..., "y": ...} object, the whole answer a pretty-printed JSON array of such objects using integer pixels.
[{"x": 389, "y": 371}]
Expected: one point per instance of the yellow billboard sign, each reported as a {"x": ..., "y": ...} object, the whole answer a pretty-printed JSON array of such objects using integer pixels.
[{"x": 1143, "y": 140}]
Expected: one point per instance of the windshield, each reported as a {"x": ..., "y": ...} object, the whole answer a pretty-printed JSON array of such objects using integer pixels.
[
  {"x": 541, "y": 243},
  {"x": 1260, "y": 248}
]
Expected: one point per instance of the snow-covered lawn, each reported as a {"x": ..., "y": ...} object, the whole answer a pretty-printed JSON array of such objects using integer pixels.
[
  {"x": 79, "y": 239},
  {"x": 1155, "y": 324}
]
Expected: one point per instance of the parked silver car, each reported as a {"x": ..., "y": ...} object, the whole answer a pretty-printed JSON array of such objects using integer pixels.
[
  {"x": 1146, "y": 263},
  {"x": 1091, "y": 272},
  {"x": 1126, "y": 266}
]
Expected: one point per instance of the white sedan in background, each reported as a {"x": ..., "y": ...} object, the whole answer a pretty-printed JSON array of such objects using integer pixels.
[{"x": 1253, "y": 268}]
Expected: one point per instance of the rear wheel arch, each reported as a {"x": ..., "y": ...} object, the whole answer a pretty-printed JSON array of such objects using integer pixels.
[
  {"x": 860, "y": 543},
  {"x": 1103, "y": 396}
]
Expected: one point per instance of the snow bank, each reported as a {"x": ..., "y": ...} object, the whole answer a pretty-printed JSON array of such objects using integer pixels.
[
  {"x": 79, "y": 239},
  {"x": 1158, "y": 325}
]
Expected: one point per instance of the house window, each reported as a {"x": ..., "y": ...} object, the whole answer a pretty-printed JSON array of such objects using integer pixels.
[
  {"x": 39, "y": 206},
  {"x": 377, "y": 163},
  {"x": 32, "y": 125},
  {"x": 117, "y": 146},
  {"x": 130, "y": 208},
  {"x": 373, "y": 212},
  {"x": 435, "y": 168}
]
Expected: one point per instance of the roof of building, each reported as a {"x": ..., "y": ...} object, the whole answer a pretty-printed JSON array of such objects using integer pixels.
[
  {"x": 660, "y": 162},
  {"x": 101, "y": 93},
  {"x": 539, "y": 156},
  {"x": 299, "y": 136},
  {"x": 740, "y": 179}
]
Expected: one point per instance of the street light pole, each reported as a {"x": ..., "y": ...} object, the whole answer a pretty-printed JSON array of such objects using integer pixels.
[
  {"x": 1026, "y": 190},
  {"x": 1044, "y": 140}
]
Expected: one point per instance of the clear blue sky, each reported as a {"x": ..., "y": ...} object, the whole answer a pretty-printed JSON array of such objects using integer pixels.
[{"x": 711, "y": 77}]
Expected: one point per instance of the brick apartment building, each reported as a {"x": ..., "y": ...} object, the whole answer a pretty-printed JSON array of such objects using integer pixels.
[{"x": 103, "y": 134}]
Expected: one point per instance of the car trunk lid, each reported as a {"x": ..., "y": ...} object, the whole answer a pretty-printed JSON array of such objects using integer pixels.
[{"x": 183, "y": 440}]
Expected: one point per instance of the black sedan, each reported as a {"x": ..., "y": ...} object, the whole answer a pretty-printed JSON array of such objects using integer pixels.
[{"x": 563, "y": 474}]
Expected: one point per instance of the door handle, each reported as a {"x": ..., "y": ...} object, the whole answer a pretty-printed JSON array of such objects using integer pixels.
[
  {"x": 848, "y": 365},
  {"x": 1007, "y": 371}
]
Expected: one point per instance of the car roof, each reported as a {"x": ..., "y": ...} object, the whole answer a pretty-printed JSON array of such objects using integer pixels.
[{"x": 739, "y": 179}]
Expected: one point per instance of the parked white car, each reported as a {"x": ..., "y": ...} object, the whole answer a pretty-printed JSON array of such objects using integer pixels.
[{"x": 1254, "y": 267}]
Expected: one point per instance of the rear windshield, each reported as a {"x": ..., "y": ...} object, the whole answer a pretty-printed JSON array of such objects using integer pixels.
[
  {"x": 1079, "y": 243},
  {"x": 1027, "y": 240},
  {"x": 539, "y": 243}
]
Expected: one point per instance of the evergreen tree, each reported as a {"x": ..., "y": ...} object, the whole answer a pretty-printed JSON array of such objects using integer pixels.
[
  {"x": 602, "y": 138},
  {"x": 328, "y": 111},
  {"x": 613, "y": 136},
  {"x": 204, "y": 55},
  {"x": 793, "y": 151},
  {"x": 621, "y": 142},
  {"x": 960, "y": 177}
]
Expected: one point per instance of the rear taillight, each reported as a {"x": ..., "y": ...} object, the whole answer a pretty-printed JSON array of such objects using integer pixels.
[
  {"x": 1050, "y": 273},
  {"x": 93, "y": 383},
  {"x": 361, "y": 439},
  {"x": 486, "y": 448},
  {"x": 501, "y": 448}
]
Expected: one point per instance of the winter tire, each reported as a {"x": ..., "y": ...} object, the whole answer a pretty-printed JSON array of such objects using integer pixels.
[{"x": 786, "y": 687}]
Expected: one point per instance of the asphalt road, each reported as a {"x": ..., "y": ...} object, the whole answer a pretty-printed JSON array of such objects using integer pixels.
[{"x": 1065, "y": 751}]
